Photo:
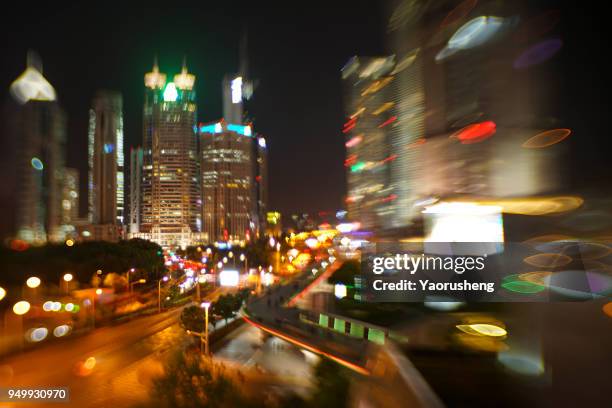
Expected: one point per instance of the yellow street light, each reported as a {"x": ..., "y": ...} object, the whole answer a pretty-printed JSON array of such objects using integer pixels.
[
  {"x": 68, "y": 277},
  {"x": 98, "y": 291},
  {"x": 230, "y": 254},
  {"x": 22, "y": 307},
  {"x": 242, "y": 257},
  {"x": 2, "y": 293},
  {"x": 69, "y": 242},
  {"x": 33, "y": 282}
]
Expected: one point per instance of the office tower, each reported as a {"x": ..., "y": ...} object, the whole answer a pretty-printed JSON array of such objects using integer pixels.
[
  {"x": 37, "y": 125},
  {"x": 136, "y": 157},
  {"x": 170, "y": 204},
  {"x": 236, "y": 89},
  {"x": 369, "y": 157},
  {"x": 106, "y": 160},
  {"x": 227, "y": 181},
  {"x": 70, "y": 201},
  {"x": 261, "y": 183}
]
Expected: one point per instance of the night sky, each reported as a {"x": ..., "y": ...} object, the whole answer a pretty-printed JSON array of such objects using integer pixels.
[
  {"x": 296, "y": 50},
  {"x": 295, "y": 53}
]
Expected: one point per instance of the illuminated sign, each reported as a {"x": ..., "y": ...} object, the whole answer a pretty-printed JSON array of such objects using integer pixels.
[
  {"x": 236, "y": 90},
  {"x": 229, "y": 278},
  {"x": 218, "y": 128}
]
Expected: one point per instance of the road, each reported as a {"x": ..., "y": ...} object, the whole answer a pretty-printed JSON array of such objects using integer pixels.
[
  {"x": 282, "y": 363},
  {"x": 126, "y": 356},
  {"x": 268, "y": 313}
]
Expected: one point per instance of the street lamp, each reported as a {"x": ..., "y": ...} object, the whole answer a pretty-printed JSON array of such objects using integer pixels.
[
  {"x": 33, "y": 282},
  {"x": 65, "y": 281},
  {"x": 205, "y": 305},
  {"x": 230, "y": 254},
  {"x": 164, "y": 279},
  {"x": 136, "y": 283},
  {"x": 22, "y": 307},
  {"x": 2, "y": 293}
]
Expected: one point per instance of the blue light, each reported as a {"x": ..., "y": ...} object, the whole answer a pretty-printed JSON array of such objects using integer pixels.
[
  {"x": 243, "y": 130},
  {"x": 475, "y": 32},
  {"x": 108, "y": 148},
  {"x": 210, "y": 128},
  {"x": 37, "y": 163}
]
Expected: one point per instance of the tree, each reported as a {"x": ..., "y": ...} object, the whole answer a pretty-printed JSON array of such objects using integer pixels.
[
  {"x": 192, "y": 318},
  {"x": 332, "y": 385},
  {"x": 190, "y": 381}
]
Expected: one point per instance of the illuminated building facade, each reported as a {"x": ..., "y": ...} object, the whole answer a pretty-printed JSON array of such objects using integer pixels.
[
  {"x": 70, "y": 200},
  {"x": 170, "y": 202},
  {"x": 106, "y": 162},
  {"x": 136, "y": 159},
  {"x": 37, "y": 125},
  {"x": 369, "y": 156},
  {"x": 227, "y": 174},
  {"x": 261, "y": 181}
]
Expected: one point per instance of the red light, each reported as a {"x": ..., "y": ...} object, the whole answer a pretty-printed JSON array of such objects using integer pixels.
[
  {"x": 417, "y": 143},
  {"x": 348, "y": 128},
  {"x": 352, "y": 159},
  {"x": 390, "y": 120},
  {"x": 390, "y": 158},
  {"x": 476, "y": 133},
  {"x": 389, "y": 198},
  {"x": 258, "y": 178}
]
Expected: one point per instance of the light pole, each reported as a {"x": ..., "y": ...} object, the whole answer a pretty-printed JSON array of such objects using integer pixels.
[
  {"x": 205, "y": 305},
  {"x": 165, "y": 279},
  {"x": 66, "y": 279},
  {"x": 244, "y": 259},
  {"x": 136, "y": 283},
  {"x": 128, "y": 276}
]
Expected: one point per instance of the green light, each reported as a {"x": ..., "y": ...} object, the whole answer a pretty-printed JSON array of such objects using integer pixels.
[
  {"x": 357, "y": 167},
  {"x": 514, "y": 284},
  {"x": 170, "y": 93}
]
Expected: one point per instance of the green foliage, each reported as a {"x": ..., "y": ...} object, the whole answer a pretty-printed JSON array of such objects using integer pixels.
[
  {"x": 189, "y": 382},
  {"x": 332, "y": 385},
  {"x": 192, "y": 318},
  {"x": 346, "y": 273},
  {"x": 50, "y": 262}
]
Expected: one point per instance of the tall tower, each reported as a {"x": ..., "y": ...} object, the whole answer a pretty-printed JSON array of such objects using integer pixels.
[
  {"x": 106, "y": 160},
  {"x": 135, "y": 210},
  {"x": 170, "y": 205},
  {"x": 227, "y": 181},
  {"x": 237, "y": 88},
  {"x": 261, "y": 182},
  {"x": 38, "y": 126}
]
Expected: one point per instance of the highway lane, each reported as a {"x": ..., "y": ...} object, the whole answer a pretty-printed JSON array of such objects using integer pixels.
[{"x": 126, "y": 356}]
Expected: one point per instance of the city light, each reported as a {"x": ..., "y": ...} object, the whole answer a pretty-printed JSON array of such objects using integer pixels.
[
  {"x": 2, "y": 293},
  {"x": 69, "y": 242},
  {"x": 170, "y": 93},
  {"x": 67, "y": 277},
  {"x": 236, "y": 86},
  {"x": 37, "y": 164},
  {"x": 22, "y": 307},
  {"x": 33, "y": 282},
  {"x": 37, "y": 334},
  {"x": 98, "y": 291},
  {"x": 229, "y": 277}
]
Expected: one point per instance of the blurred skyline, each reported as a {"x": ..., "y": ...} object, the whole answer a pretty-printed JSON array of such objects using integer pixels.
[{"x": 296, "y": 53}]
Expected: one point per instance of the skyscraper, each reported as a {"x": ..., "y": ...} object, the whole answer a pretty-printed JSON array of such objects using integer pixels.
[
  {"x": 136, "y": 157},
  {"x": 106, "y": 162},
  {"x": 261, "y": 182},
  {"x": 37, "y": 125},
  {"x": 70, "y": 201},
  {"x": 368, "y": 103},
  {"x": 170, "y": 204},
  {"x": 227, "y": 174}
]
